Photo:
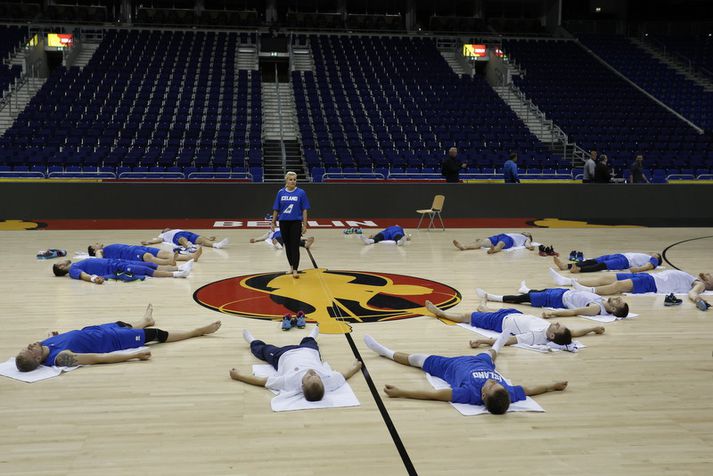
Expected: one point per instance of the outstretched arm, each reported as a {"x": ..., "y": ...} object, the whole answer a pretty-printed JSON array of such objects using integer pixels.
[
  {"x": 442, "y": 395},
  {"x": 533, "y": 390},
  {"x": 641, "y": 269},
  {"x": 152, "y": 241},
  {"x": 512, "y": 340},
  {"x": 695, "y": 293},
  {"x": 587, "y": 330},
  {"x": 262, "y": 237},
  {"x": 67, "y": 358},
  {"x": 235, "y": 374},
  {"x": 350, "y": 373},
  {"x": 91, "y": 278},
  {"x": 580, "y": 311}
]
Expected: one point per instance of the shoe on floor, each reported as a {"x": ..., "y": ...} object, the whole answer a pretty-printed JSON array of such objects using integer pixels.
[
  {"x": 287, "y": 322},
  {"x": 300, "y": 320},
  {"x": 671, "y": 300}
]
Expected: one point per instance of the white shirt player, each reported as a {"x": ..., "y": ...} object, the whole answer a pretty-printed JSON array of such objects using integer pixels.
[
  {"x": 578, "y": 299},
  {"x": 528, "y": 330},
  {"x": 167, "y": 237},
  {"x": 293, "y": 365},
  {"x": 518, "y": 239},
  {"x": 673, "y": 281},
  {"x": 636, "y": 260}
]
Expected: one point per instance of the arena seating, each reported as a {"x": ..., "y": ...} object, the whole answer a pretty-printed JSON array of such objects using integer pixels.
[
  {"x": 137, "y": 107},
  {"x": 599, "y": 110},
  {"x": 696, "y": 48},
  {"x": 392, "y": 106},
  {"x": 665, "y": 83}
]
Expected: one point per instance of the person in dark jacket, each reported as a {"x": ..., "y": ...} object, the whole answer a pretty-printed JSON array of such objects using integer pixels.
[
  {"x": 451, "y": 167},
  {"x": 601, "y": 171}
]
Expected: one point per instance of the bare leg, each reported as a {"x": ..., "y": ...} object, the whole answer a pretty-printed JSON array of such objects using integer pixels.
[
  {"x": 175, "y": 336},
  {"x": 598, "y": 280},
  {"x": 451, "y": 316},
  {"x": 184, "y": 242},
  {"x": 179, "y": 257},
  {"x": 618, "y": 287},
  {"x": 161, "y": 260},
  {"x": 477, "y": 244},
  {"x": 146, "y": 321},
  {"x": 167, "y": 268},
  {"x": 497, "y": 248}
]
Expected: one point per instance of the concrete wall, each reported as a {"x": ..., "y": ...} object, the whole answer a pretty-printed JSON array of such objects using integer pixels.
[{"x": 662, "y": 205}]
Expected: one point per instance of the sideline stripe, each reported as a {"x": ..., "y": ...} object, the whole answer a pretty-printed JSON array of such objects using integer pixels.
[
  {"x": 663, "y": 254},
  {"x": 377, "y": 398}
]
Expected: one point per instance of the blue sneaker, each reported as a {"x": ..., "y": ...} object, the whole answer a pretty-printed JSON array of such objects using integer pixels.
[
  {"x": 702, "y": 305},
  {"x": 573, "y": 255},
  {"x": 300, "y": 320},
  {"x": 286, "y": 323},
  {"x": 580, "y": 256}
]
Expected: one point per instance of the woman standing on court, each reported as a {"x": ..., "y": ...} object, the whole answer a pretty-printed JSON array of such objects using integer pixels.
[{"x": 291, "y": 205}]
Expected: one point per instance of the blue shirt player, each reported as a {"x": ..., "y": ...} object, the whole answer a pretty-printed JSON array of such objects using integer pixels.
[
  {"x": 98, "y": 344},
  {"x": 472, "y": 379},
  {"x": 97, "y": 270},
  {"x": 290, "y": 207},
  {"x": 391, "y": 234},
  {"x": 140, "y": 253}
]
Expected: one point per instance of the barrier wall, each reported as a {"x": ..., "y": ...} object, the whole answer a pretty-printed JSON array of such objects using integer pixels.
[{"x": 658, "y": 205}]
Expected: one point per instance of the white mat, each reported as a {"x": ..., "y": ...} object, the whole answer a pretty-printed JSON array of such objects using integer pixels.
[
  {"x": 610, "y": 318},
  {"x": 550, "y": 347},
  {"x": 284, "y": 402},
  {"x": 43, "y": 372},
  {"x": 527, "y": 405},
  {"x": 705, "y": 293}
]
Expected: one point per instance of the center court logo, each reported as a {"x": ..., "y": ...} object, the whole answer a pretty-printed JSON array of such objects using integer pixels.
[{"x": 332, "y": 298}]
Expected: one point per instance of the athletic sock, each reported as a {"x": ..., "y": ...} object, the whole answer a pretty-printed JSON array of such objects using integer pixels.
[
  {"x": 248, "y": 336},
  {"x": 559, "y": 279},
  {"x": 314, "y": 332},
  {"x": 378, "y": 348},
  {"x": 182, "y": 273},
  {"x": 367, "y": 241},
  {"x": 494, "y": 297},
  {"x": 481, "y": 292},
  {"x": 523, "y": 288},
  {"x": 221, "y": 243},
  {"x": 579, "y": 287}
]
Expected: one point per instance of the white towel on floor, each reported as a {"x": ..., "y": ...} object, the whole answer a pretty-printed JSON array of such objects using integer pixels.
[
  {"x": 610, "y": 318},
  {"x": 535, "y": 244},
  {"x": 527, "y": 405},
  {"x": 43, "y": 372},
  {"x": 550, "y": 347},
  {"x": 290, "y": 401}
]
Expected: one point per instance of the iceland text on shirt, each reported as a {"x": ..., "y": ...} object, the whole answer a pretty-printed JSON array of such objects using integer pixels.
[
  {"x": 289, "y": 198},
  {"x": 487, "y": 375}
]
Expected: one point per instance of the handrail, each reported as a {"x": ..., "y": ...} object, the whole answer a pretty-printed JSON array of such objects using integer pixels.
[
  {"x": 93, "y": 175},
  {"x": 152, "y": 175},
  {"x": 22, "y": 173},
  {"x": 279, "y": 121},
  {"x": 353, "y": 176},
  {"x": 221, "y": 175}
]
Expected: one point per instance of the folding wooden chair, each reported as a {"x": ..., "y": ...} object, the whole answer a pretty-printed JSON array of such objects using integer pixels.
[{"x": 433, "y": 212}]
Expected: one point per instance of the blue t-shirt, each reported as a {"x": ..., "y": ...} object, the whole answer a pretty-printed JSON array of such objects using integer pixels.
[
  {"x": 390, "y": 233},
  {"x": 106, "y": 268},
  {"x": 289, "y": 205},
  {"x": 510, "y": 172},
  {"x": 467, "y": 374},
  {"x": 128, "y": 252},
  {"x": 94, "y": 340}
]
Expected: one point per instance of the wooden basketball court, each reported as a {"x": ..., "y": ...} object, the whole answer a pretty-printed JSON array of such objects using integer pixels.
[{"x": 638, "y": 400}]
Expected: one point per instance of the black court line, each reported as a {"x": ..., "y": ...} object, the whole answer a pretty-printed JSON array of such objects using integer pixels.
[
  {"x": 663, "y": 254},
  {"x": 377, "y": 398}
]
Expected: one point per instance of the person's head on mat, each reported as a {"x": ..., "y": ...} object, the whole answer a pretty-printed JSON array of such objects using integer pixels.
[
  {"x": 312, "y": 386},
  {"x": 658, "y": 257},
  {"x": 559, "y": 334},
  {"x": 29, "y": 359},
  {"x": 617, "y": 307},
  {"x": 92, "y": 249},
  {"x": 62, "y": 268},
  {"x": 495, "y": 397}
]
